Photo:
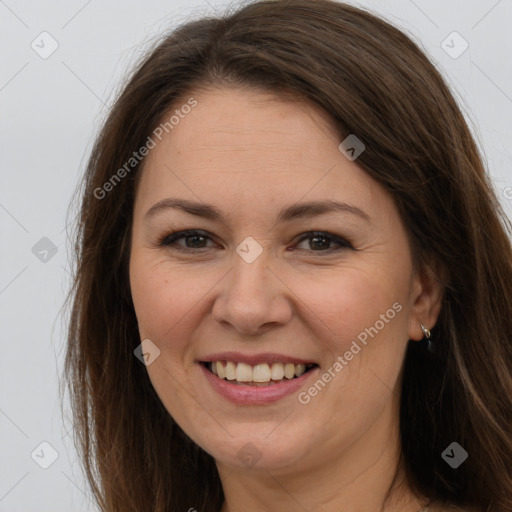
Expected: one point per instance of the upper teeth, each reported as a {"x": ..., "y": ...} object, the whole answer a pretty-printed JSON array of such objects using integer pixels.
[{"x": 243, "y": 372}]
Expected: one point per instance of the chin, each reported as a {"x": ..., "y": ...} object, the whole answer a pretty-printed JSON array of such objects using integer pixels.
[{"x": 266, "y": 452}]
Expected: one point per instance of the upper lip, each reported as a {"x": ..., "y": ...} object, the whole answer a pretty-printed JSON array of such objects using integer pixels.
[{"x": 253, "y": 359}]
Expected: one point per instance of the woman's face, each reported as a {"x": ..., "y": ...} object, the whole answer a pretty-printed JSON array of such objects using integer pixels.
[{"x": 254, "y": 291}]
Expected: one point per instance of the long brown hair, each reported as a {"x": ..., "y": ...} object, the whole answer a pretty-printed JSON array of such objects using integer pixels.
[{"x": 375, "y": 83}]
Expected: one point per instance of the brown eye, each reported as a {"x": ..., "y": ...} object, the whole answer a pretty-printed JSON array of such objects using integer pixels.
[
  {"x": 194, "y": 239},
  {"x": 320, "y": 241}
]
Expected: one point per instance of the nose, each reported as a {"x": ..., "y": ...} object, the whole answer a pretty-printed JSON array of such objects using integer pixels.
[{"x": 252, "y": 298}]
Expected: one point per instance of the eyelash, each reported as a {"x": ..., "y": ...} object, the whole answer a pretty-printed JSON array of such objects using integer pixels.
[{"x": 170, "y": 239}]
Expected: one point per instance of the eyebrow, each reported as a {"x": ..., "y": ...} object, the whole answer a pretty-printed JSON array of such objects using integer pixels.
[{"x": 295, "y": 211}]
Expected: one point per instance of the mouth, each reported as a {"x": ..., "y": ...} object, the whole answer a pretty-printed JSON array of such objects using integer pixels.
[{"x": 257, "y": 375}]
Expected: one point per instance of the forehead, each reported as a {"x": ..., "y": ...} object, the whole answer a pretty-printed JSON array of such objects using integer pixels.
[
  {"x": 251, "y": 123},
  {"x": 240, "y": 145}
]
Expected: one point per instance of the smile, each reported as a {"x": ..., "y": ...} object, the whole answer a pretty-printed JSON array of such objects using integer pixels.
[
  {"x": 259, "y": 383},
  {"x": 263, "y": 374}
]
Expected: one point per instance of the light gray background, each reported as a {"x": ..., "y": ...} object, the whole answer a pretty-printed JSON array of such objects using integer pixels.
[{"x": 50, "y": 111}]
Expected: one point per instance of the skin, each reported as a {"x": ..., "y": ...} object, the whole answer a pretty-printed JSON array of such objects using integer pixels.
[{"x": 250, "y": 153}]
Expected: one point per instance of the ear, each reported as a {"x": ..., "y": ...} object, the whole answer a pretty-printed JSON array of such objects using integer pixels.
[{"x": 427, "y": 291}]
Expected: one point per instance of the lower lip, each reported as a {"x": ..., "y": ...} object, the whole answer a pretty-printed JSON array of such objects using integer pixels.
[{"x": 255, "y": 395}]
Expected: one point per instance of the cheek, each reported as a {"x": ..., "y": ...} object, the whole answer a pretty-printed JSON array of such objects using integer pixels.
[
  {"x": 353, "y": 304},
  {"x": 162, "y": 294},
  {"x": 362, "y": 318},
  {"x": 339, "y": 305},
  {"x": 167, "y": 302}
]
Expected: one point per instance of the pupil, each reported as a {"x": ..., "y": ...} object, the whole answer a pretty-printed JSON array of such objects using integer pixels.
[
  {"x": 315, "y": 240},
  {"x": 194, "y": 237}
]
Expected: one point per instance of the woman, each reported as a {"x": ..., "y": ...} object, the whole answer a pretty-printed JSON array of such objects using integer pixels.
[{"x": 293, "y": 280}]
